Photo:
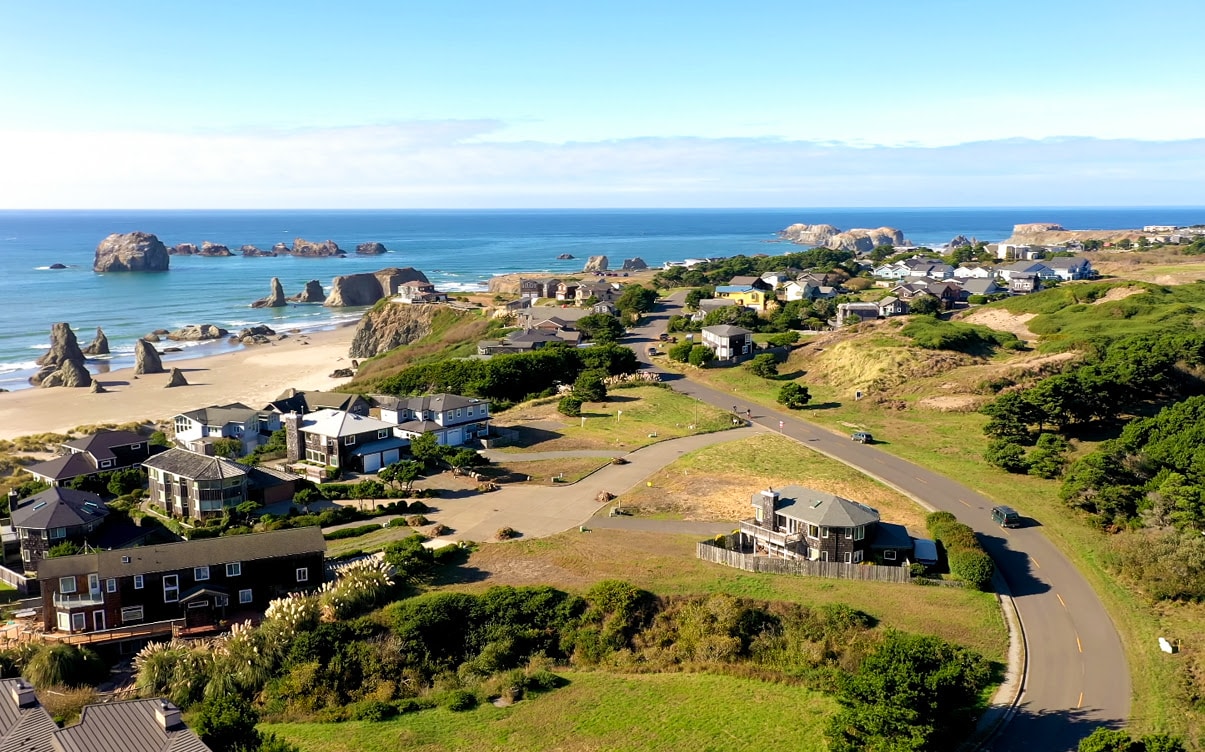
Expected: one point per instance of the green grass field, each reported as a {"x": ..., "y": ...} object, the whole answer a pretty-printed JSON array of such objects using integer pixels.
[{"x": 599, "y": 711}]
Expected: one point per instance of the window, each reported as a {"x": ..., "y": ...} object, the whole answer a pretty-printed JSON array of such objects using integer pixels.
[
  {"x": 383, "y": 434},
  {"x": 58, "y": 532},
  {"x": 860, "y": 532},
  {"x": 25, "y": 555},
  {"x": 350, "y": 440},
  {"x": 849, "y": 557},
  {"x": 220, "y": 600},
  {"x": 824, "y": 532},
  {"x": 111, "y": 585},
  {"x": 849, "y": 533},
  {"x": 135, "y": 447},
  {"x": 244, "y": 596},
  {"x": 469, "y": 410},
  {"x": 130, "y": 614},
  {"x": 459, "y": 412},
  {"x": 889, "y": 555},
  {"x": 813, "y": 531},
  {"x": 125, "y": 560},
  {"x": 171, "y": 588},
  {"x": 303, "y": 574},
  {"x": 79, "y": 621},
  {"x": 67, "y": 584},
  {"x": 138, "y": 582},
  {"x": 234, "y": 569},
  {"x": 200, "y": 573},
  {"x": 824, "y": 556},
  {"x": 106, "y": 463},
  {"x": 757, "y": 513},
  {"x": 857, "y": 557}
]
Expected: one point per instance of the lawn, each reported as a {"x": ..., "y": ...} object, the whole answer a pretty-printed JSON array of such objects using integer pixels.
[
  {"x": 598, "y": 711},
  {"x": 371, "y": 542}
]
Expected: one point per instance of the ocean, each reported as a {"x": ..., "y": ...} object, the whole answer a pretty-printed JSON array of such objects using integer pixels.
[{"x": 457, "y": 250}]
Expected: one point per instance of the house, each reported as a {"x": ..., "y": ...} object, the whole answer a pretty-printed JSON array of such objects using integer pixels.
[
  {"x": 949, "y": 293},
  {"x": 599, "y": 291},
  {"x": 453, "y": 419},
  {"x": 1073, "y": 267},
  {"x": 197, "y": 430},
  {"x": 152, "y": 725},
  {"x": 1023, "y": 283},
  {"x": 745, "y": 295},
  {"x": 978, "y": 286},
  {"x": 606, "y": 307},
  {"x": 419, "y": 292},
  {"x": 911, "y": 290},
  {"x": 198, "y": 486},
  {"x": 974, "y": 271},
  {"x": 730, "y": 343},
  {"x": 757, "y": 283},
  {"x": 544, "y": 287},
  {"x": 566, "y": 291},
  {"x": 101, "y": 452},
  {"x": 196, "y": 582},
  {"x": 54, "y": 516},
  {"x": 860, "y": 311},
  {"x": 776, "y": 279},
  {"x": 297, "y": 401},
  {"x": 928, "y": 268},
  {"x": 892, "y": 306},
  {"x": 527, "y": 340},
  {"x": 707, "y": 305},
  {"x": 801, "y": 523},
  {"x": 897, "y": 270},
  {"x": 794, "y": 290},
  {"x": 1041, "y": 269},
  {"x": 333, "y": 438}
]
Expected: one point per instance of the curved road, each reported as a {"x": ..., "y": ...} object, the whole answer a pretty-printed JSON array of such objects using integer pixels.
[{"x": 1077, "y": 672}]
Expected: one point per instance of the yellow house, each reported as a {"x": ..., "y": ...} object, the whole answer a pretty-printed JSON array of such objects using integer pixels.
[{"x": 745, "y": 295}]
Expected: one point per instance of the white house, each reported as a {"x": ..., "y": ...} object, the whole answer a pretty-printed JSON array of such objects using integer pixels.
[
  {"x": 1068, "y": 268},
  {"x": 196, "y": 429},
  {"x": 452, "y": 418},
  {"x": 975, "y": 271},
  {"x": 1027, "y": 267},
  {"x": 729, "y": 342}
]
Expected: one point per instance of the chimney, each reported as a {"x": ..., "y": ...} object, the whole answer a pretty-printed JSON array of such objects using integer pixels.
[
  {"x": 294, "y": 449},
  {"x": 14, "y": 499},
  {"x": 167, "y": 715},
  {"x": 766, "y": 502},
  {"x": 23, "y": 695}
]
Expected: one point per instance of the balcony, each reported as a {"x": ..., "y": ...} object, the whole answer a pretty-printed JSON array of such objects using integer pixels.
[
  {"x": 791, "y": 541},
  {"x": 79, "y": 599}
]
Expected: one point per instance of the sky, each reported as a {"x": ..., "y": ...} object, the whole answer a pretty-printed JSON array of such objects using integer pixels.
[{"x": 464, "y": 104}]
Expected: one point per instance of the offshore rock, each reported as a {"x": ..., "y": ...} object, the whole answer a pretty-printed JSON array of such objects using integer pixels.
[
  {"x": 69, "y": 374},
  {"x": 313, "y": 293},
  {"x": 99, "y": 344},
  {"x": 184, "y": 249},
  {"x": 959, "y": 242},
  {"x": 634, "y": 264},
  {"x": 565, "y": 257},
  {"x": 63, "y": 347},
  {"x": 596, "y": 264},
  {"x": 196, "y": 332},
  {"x": 57, "y": 266},
  {"x": 275, "y": 299},
  {"x": 303, "y": 247},
  {"x": 366, "y": 289},
  {"x": 146, "y": 358},
  {"x": 251, "y": 250},
  {"x": 280, "y": 249},
  {"x": 371, "y": 249},
  {"x": 214, "y": 249},
  {"x": 131, "y": 252},
  {"x": 176, "y": 379},
  {"x": 858, "y": 240}
]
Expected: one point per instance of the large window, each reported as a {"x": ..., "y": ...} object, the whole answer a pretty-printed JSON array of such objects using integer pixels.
[
  {"x": 171, "y": 588},
  {"x": 131, "y": 614},
  {"x": 234, "y": 569},
  {"x": 889, "y": 554},
  {"x": 860, "y": 532},
  {"x": 244, "y": 596},
  {"x": 303, "y": 574},
  {"x": 67, "y": 584},
  {"x": 57, "y": 533},
  {"x": 200, "y": 573},
  {"x": 813, "y": 531}
]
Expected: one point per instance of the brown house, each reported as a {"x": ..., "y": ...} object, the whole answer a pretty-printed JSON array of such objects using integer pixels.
[
  {"x": 101, "y": 452},
  {"x": 196, "y": 582}
]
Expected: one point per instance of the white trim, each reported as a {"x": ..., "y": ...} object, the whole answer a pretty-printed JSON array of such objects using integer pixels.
[
  {"x": 234, "y": 569},
  {"x": 303, "y": 574},
  {"x": 67, "y": 584},
  {"x": 244, "y": 596},
  {"x": 139, "y": 582}
]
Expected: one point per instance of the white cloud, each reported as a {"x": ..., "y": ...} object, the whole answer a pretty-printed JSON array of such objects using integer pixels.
[{"x": 455, "y": 164}]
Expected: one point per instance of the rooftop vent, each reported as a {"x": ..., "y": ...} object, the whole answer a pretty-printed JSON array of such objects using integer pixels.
[
  {"x": 39, "y": 505},
  {"x": 817, "y": 503}
]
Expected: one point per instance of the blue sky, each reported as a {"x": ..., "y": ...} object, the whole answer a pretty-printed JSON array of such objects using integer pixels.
[{"x": 474, "y": 104}]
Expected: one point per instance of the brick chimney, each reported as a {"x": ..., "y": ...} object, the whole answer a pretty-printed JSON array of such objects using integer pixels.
[
  {"x": 294, "y": 448},
  {"x": 766, "y": 502},
  {"x": 14, "y": 499},
  {"x": 23, "y": 695},
  {"x": 168, "y": 715}
]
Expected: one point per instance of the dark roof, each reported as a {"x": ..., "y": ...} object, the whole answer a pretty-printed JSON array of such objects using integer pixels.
[
  {"x": 1066, "y": 262},
  {"x": 195, "y": 466},
  {"x": 59, "y": 507},
  {"x": 440, "y": 402},
  {"x": 821, "y": 508},
  {"x": 65, "y": 467},
  {"x": 419, "y": 426},
  {"x": 169, "y": 557},
  {"x": 129, "y": 726},
  {"x": 23, "y": 729},
  {"x": 532, "y": 335},
  {"x": 333, "y": 400},
  {"x": 262, "y": 476},
  {"x": 891, "y": 535},
  {"x": 100, "y": 444},
  {"x": 380, "y": 445},
  {"x": 980, "y": 286},
  {"x": 726, "y": 330}
]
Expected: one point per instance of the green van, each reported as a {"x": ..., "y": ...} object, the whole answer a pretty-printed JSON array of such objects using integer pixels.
[{"x": 1006, "y": 516}]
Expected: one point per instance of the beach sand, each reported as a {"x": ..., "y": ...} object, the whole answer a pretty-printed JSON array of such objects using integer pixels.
[{"x": 253, "y": 375}]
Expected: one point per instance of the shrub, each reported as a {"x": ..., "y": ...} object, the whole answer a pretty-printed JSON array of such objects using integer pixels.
[
  {"x": 967, "y": 559},
  {"x": 399, "y": 522},
  {"x": 794, "y": 396},
  {"x": 419, "y": 508},
  {"x": 977, "y": 299},
  {"x": 782, "y": 339},
  {"x": 973, "y": 567},
  {"x": 570, "y": 405},
  {"x": 506, "y": 533},
  {"x": 459, "y": 700},
  {"x": 373, "y": 710},
  {"x": 764, "y": 365},
  {"x": 700, "y": 355},
  {"x": 589, "y": 387},
  {"x": 351, "y": 532},
  {"x": 680, "y": 352},
  {"x": 417, "y": 520}
]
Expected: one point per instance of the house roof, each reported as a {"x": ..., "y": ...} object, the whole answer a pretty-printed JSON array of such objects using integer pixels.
[
  {"x": 711, "y": 304},
  {"x": 169, "y": 557},
  {"x": 1066, "y": 262},
  {"x": 532, "y": 335},
  {"x": 742, "y": 281},
  {"x": 262, "y": 476},
  {"x": 440, "y": 402},
  {"x": 980, "y": 286},
  {"x": 220, "y": 415},
  {"x": 195, "y": 466},
  {"x": 858, "y": 306},
  {"x": 65, "y": 467},
  {"x": 380, "y": 445},
  {"x": 24, "y": 729},
  {"x": 101, "y": 444},
  {"x": 130, "y": 726},
  {"x": 890, "y": 535},
  {"x": 821, "y": 508},
  {"x": 1024, "y": 266},
  {"x": 726, "y": 330},
  {"x": 889, "y": 300},
  {"x": 59, "y": 507},
  {"x": 736, "y": 288},
  {"x": 339, "y": 423},
  {"x": 419, "y": 426},
  {"x": 334, "y": 400}
]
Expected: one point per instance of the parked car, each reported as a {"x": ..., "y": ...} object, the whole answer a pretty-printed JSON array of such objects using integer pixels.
[
  {"x": 1006, "y": 516},
  {"x": 862, "y": 437},
  {"x": 663, "y": 337}
]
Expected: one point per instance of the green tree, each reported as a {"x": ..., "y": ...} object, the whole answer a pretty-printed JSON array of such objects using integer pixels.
[
  {"x": 1006, "y": 455},
  {"x": 1046, "y": 460},
  {"x": 228, "y": 448},
  {"x": 601, "y": 328},
  {"x": 764, "y": 365},
  {"x": 227, "y": 722},
  {"x": 368, "y": 489},
  {"x": 635, "y": 300},
  {"x": 681, "y": 351},
  {"x": 405, "y": 473},
  {"x": 426, "y": 450},
  {"x": 306, "y": 496},
  {"x": 698, "y": 294},
  {"x": 159, "y": 438},
  {"x": 794, "y": 396},
  {"x": 122, "y": 482},
  {"x": 925, "y": 305},
  {"x": 66, "y": 548},
  {"x": 1110, "y": 740},
  {"x": 700, "y": 355},
  {"x": 570, "y": 405},
  {"x": 465, "y": 457},
  {"x": 589, "y": 386}
]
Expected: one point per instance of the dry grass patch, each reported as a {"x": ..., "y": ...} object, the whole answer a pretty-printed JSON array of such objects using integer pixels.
[{"x": 542, "y": 472}]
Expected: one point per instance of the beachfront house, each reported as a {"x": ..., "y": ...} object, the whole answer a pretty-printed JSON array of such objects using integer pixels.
[
  {"x": 53, "y": 517},
  {"x": 414, "y": 292},
  {"x": 730, "y": 343},
  {"x": 1023, "y": 283},
  {"x": 341, "y": 440},
  {"x": 197, "y": 430},
  {"x": 190, "y": 585},
  {"x": 454, "y": 420},
  {"x": 101, "y": 452},
  {"x": 298, "y": 401},
  {"x": 191, "y": 485}
]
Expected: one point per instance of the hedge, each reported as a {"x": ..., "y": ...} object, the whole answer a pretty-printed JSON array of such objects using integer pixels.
[
  {"x": 968, "y": 561},
  {"x": 350, "y": 532}
]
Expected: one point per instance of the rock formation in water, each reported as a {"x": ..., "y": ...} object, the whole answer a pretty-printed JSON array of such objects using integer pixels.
[
  {"x": 184, "y": 249},
  {"x": 196, "y": 332},
  {"x": 366, "y": 289},
  {"x": 63, "y": 363},
  {"x": 371, "y": 249},
  {"x": 131, "y": 252},
  {"x": 959, "y": 242},
  {"x": 281, "y": 249},
  {"x": 214, "y": 249},
  {"x": 565, "y": 257},
  {"x": 176, "y": 379},
  {"x": 634, "y": 264},
  {"x": 255, "y": 335},
  {"x": 303, "y": 247},
  {"x": 313, "y": 293},
  {"x": 146, "y": 358},
  {"x": 382, "y": 329},
  {"x": 276, "y": 298},
  {"x": 251, "y": 251},
  {"x": 70, "y": 374},
  {"x": 57, "y": 266},
  {"x": 596, "y": 264},
  {"x": 99, "y": 344},
  {"x": 857, "y": 240}
]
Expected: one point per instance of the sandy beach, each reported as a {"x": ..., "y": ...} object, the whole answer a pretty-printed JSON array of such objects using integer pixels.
[{"x": 252, "y": 375}]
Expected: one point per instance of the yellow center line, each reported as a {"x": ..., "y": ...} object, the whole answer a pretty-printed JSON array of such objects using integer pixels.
[
  {"x": 1056, "y": 595},
  {"x": 922, "y": 480},
  {"x": 1035, "y": 562},
  {"x": 1080, "y": 704},
  {"x": 964, "y": 502},
  {"x": 1079, "y": 644}
]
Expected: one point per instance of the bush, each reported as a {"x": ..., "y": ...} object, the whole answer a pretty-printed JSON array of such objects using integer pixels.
[
  {"x": 372, "y": 710},
  {"x": 417, "y": 520},
  {"x": 570, "y": 405},
  {"x": 506, "y": 533},
  {"x": 972, "y": 567},
  {"x": 399, "y": 522},
  {"x": 419, "y": 508},
  {"x": 967, "y": 559},
  {"x": 977, "y": 299},
  {"x": 1006, "y": 455},
  {"x": 794, "y": 396},
  {"x": 764, "y": 365},
  {"x": 459, "y": 700},
  {"x": 351, "y": 532},
  {"x": 700, "y": 355},
  {"x": 782, "y": 339},
  {"x": 680, "y": 352},
  {"x": 589, "y": 387}
]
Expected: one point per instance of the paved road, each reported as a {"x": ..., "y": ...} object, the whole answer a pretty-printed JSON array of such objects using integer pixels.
[{"x": 1077, "y": 672}]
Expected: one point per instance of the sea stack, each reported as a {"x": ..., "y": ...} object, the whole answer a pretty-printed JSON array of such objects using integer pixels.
[
  {"x": 176, "y": 379},
  {"x": 63, "y": 363},
  {"x": 275, "y": 299},
  {"x": 596, "y": 264},
  {"x": 146, "y": 358},
  {"x": 313, "y": 293},
  {"x": 303, "y": 247},
  {"x": 99, "y": 345},
  {"x": 131, "y": 252},
  {"x": 371, "y": 249}
]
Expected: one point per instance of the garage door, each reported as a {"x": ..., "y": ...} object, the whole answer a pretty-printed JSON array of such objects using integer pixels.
[
  {"x": 455, "y": 437},
  {"x": 391, "y": 456},
  {"x": 372, "y": 463}
]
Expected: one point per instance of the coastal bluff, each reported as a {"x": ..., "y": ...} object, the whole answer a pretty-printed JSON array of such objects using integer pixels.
[
  {"x": 131, "y": 252},
  {"x": 856, "y": 240},
  {"x": 390, "y": 326},
  {"x": 367, "y": 288},
  {"x": 1047, "y": 233}
]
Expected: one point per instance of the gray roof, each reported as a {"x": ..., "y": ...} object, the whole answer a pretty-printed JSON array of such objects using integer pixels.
[
  {"x": 100, "y": 444},
  {"x": 980, "y": 286},
  {"x": 380, "y": 445},
  {"x": 220, "y": 415},
  {"x": 441, "y": 402},
  {"x": 338, "y": 423},
  {"x": 891, "y": 535},
  {"x": 65, "y": 467},
  {"x": 818, "y": 508},
  {"x": 129, "y": 726},
  {"x": 726, "y": 330},
  {"x": 1066, "y": 262},
  {"x": 195, "y": 466},
  {"x": 23, "y": 729},
  {"x": 59, "y": 507},
  {"x": 711, "y": 304},
  {"x": 1024, "y": 266},
  {"x": 169, "y": 557}
]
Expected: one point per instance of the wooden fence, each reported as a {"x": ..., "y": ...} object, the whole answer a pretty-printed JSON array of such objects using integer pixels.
[
  {"x": 19, "y": 581},
  {"x": 804, "y": 567}
]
